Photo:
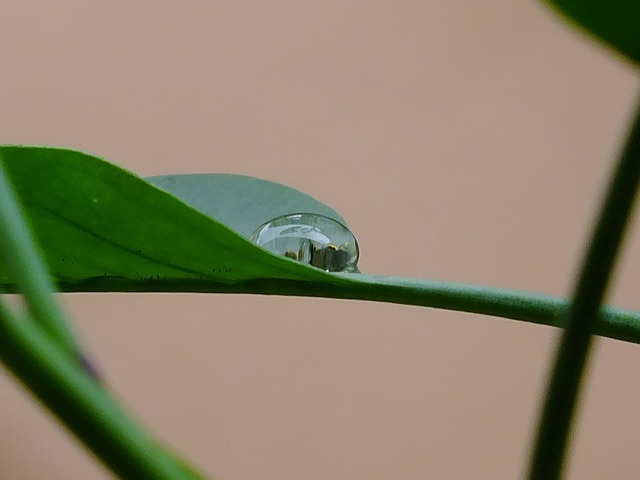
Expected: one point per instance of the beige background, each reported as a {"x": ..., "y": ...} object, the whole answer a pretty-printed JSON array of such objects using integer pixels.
[{"x": 462, "y": 141}]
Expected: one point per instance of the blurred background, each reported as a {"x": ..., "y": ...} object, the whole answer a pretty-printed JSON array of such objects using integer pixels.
[{"x": 464, "y": 142}]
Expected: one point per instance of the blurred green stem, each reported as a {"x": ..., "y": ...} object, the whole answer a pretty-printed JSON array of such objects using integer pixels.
[
  {"x": 582, "y": 315},
  {"x": 20, "y": 254},
  {"x": 81, "y": 404}
]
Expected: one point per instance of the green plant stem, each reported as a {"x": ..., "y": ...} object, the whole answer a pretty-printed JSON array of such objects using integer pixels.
[
  {"x": 615, "y": 323},
  {"x": 81, "y": 404},
  {"x": 582, "y": 315},
  {"x": 20, "y": 254}
]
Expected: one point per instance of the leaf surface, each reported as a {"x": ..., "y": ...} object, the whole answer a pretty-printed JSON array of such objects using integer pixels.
[
  {"x": 93, "y": 219},
  {"x": 240, "y": 202}
]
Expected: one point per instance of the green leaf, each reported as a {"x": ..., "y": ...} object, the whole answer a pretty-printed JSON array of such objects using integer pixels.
[
  {"x": 104, "y": 229},
  {"x": 615, "y": 22},
  {"x": 241, "y": 203},
  {"x": 94, "y": 219}
]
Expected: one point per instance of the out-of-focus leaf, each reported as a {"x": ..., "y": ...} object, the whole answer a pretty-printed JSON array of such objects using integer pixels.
[{"x": 614, "y": 22}]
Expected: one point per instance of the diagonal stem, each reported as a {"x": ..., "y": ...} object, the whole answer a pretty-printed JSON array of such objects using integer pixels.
[
  {"x": 83, "y": 405},
  {"x": 20, "y": 254},
  {"x": 582, "y": 315}
]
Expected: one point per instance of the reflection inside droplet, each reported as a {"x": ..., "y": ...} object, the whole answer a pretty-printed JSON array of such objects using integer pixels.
[{"x": 312, "y": 239}]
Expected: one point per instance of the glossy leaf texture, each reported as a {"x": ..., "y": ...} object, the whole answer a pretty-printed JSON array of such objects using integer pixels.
[
  {"x": 93, "y": 219},
  {"x": 614, "y": 22},
  {"x": 104, "y": 229}
]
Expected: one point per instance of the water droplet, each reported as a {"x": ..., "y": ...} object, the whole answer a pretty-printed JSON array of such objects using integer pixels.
[{"x": 312, "y": 239}]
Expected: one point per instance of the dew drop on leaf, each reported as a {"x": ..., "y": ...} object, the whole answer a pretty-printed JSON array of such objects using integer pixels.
[{"x": 311, "y": 239}]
